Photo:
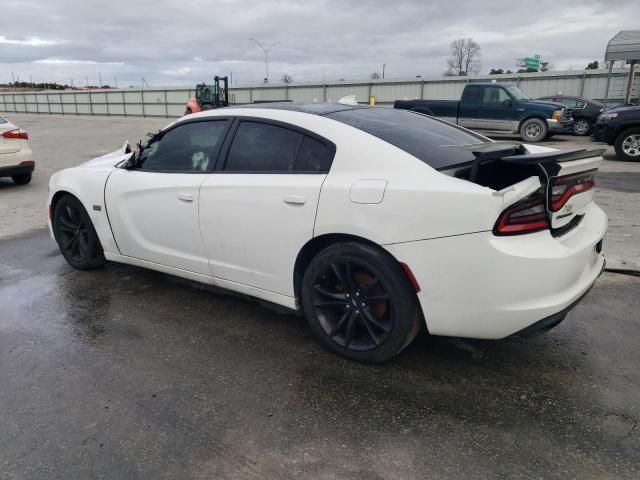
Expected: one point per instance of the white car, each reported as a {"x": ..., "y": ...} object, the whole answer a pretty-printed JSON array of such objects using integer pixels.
[
  {"x": 16, "y": 158},
  {"x": 372, "y": 221}
]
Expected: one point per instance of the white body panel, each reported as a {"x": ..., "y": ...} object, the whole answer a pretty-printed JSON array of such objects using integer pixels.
[
  {"x": 244, "y": 231},
  {"x": 13, "y": 150},
  {"x": 254, "y": 225},
  {"x": 154, "y": 217}
]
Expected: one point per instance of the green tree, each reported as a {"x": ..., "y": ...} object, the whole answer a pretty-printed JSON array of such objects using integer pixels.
[
  {"x": 496, "y": 71},
  {"x": 593, "y": 65}
]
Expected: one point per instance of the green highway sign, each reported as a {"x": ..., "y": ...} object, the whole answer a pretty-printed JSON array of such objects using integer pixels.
[{"x": 531, "y": 62}]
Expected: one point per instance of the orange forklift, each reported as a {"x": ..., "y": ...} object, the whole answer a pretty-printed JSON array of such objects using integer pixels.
[{"x": 209, "y": 97}]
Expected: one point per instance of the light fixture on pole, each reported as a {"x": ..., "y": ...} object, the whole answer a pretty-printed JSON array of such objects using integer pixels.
[{"x": 266, "y": 57}]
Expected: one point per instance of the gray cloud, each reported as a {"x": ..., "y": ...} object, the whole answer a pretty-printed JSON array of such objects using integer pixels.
[{"x": 181, "y": 42}]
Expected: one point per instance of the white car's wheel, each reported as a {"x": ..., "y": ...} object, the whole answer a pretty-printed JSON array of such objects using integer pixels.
[
  {"x": 359, "y": 302},
  {"x": 75, "y": 234}
]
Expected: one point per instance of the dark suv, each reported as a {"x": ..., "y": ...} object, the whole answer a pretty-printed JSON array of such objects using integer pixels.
[{"x": 620, "y": 127}]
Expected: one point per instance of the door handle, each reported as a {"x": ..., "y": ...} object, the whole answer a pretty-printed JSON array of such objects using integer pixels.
[
  {"x": 185, "y": 197},
  {"x": 295, "y": 200}
]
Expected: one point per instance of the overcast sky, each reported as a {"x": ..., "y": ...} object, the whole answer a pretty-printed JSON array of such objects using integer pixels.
[{"x": 171, "y": 42}]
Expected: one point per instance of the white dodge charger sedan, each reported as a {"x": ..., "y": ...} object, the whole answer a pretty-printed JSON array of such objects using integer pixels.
[{"x": 373, "y": 221}]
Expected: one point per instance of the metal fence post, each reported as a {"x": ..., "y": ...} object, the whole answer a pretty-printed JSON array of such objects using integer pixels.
[
  {"x": 75, "y": 102},
  {"x": 15, "y": 106},
  {"x": 90, "y": 103},
  {"x": 106, "y": 101},
  {"x": 584, "y": 78},
  {"x": 48, "y": 103},
  {"x": 24, "y": 100},
  {"x": 166, "y": 105},
  {"x": 324, "y": 92},
  {"x": 421, "y": 89},
  {"x": 61, "y": 104},
  {"x": 250, "y": 95},
  {"x": 142, "y": 102},
  {"x": 124, "y": 105}
]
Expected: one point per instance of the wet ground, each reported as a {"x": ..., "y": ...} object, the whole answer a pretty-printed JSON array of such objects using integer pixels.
[{"x": 130, "y": 374}]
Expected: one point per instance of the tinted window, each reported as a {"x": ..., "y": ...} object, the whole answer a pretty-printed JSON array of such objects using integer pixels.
[
  {"x": 494, "y": 96},
  {"x": 314, "y": 156},
  {"x": 261, "y": 147},
  {"x": 568, "y": 102},
  {"x": 472, "y": 94},
  {"x": 3, "y": 120},
  {"x": 191, "y": 147},
  {"x": 432, "y": 141}
]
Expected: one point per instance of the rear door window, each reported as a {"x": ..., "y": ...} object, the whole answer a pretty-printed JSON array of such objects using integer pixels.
[
  {"x": 434, "y": 142},
  {"x": 259, "y": 147}
]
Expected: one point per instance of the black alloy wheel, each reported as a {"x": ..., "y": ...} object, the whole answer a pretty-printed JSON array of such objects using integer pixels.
[
  {"x": 75, "y": 235},
  {"x": 359, "y": 302},
  {"x": 352, "y": 306}
]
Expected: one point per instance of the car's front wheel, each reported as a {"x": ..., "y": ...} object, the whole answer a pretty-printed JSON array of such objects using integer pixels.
[
  {"x": 627, "y": 145},
  {"x": 359, "y": 302},
  {"x": 76, "y": 237},
  {"x": 533, "y": 130}
]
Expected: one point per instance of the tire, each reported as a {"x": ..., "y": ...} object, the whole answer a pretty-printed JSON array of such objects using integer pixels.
[
  {"x": 76, "y": 237},
  {"x": 359, "y": 302},
  {"x": 627, "y": 145},
  {"x": 533, "y": 130},
  {"x": 582, "y": 127},
  {"x": 22, "y": 179}
]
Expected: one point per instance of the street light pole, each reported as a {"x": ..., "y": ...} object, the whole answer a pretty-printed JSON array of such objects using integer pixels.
[{"x": 266, "y": 57}]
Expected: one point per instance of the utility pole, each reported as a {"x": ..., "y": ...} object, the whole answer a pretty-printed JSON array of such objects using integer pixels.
[
  {"x": 266, "y": 57},
  {"x": 99, "y": 80},
  {"x": 115, "y": 77}
]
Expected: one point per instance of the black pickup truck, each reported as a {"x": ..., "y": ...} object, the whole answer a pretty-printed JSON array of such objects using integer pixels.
[{"x": 497, "y": 108}]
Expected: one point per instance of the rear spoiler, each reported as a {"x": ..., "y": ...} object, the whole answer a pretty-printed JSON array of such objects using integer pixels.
[{"x": 558, "y": 156}]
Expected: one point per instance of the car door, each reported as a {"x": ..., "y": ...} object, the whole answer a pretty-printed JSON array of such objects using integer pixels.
[
  {"x": 258, "y": 209},
  {"x": 469, "y": 104},
  {"x": 153, "y": 208},
  {"x": 497, "y": 110}
]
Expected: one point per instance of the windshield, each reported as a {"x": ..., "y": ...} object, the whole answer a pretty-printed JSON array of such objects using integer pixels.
[
  {"x": 517, "y": 93},
  {"x": 424, "y": 137}
]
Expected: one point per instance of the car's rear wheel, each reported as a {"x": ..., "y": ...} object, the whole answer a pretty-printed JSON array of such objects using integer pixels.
[
  {"x": 359, "y": 302},
  {"x": 76, "y": 237},
  {"x": 627, "y": 145},
  {"x": 533, "y": 130},
  {"x": 581, "y": 127},
  {"x": 22, "y": 179}
]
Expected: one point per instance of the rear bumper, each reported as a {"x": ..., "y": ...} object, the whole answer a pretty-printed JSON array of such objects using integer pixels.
[
  {"x": 482, "y": 286},
  {"x": 560, "y": 126},
  {"x": 21, "y": 169}
]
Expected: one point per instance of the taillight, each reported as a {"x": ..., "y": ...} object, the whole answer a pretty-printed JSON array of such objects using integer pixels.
[
  {"x": 526, "y": 216},
  {"x": 16, "y": 133},
  {"x": 563, "y": 188}
]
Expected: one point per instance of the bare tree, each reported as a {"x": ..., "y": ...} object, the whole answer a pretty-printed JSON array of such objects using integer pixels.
[
  {"x": 465, "y": 57},
  {"x": 375, "y": 76},
  {"x": 286, "y": 78}
]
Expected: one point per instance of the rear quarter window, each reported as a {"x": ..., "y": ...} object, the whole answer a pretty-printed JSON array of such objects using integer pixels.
[
  {"x": 426, "y": 138},
  {"x": 3, "y": 120}
]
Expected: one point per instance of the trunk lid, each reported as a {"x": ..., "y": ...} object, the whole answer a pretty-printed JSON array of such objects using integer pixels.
[{"x": 565, "y": 180}]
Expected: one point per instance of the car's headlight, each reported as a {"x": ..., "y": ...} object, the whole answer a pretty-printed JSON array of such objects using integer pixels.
[
  {"x": 557, "y": 115},
  {"x": 605, "y": 117}
]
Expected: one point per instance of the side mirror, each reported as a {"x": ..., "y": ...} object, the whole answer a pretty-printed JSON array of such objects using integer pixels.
[
  {"x": 129, "y": 163},
  {"x": 507, "y": 102}
]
